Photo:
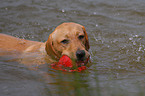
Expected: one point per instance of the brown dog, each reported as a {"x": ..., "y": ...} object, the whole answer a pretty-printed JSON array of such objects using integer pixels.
[{"x": 67, "y": 39}]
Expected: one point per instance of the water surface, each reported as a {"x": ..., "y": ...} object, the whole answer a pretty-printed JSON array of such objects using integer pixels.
[{"x": 116, "y": 30}]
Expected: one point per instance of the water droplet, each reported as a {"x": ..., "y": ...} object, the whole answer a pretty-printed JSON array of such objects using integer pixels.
[
  {"x": 139, "y": 48},
  {"x": 136, "y": 36},
  {"x": 138, "y": 59},
  {"x": 63, "y": 10},
  {"x": 134, "y": 43},
  {"x": 97, "y": 25},
  {"x": 95, "y": 13},
  {"x": 6, "y": 8},
  {"x": 131, "y": 38}
]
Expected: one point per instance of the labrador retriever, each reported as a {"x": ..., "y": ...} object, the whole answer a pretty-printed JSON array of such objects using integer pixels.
[{"x": 67, "y": 39}]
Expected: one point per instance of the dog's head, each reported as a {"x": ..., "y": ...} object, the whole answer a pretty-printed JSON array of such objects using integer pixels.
[{"x": 68, "y": 39}]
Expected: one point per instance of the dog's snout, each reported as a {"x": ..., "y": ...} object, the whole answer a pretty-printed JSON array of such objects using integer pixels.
[{"x": 80, "y": 55}]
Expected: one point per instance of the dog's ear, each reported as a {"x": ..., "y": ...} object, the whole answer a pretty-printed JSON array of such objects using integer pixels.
[
  {"x": 50, "y": 49},
  {"x": 86, "y": 37}
]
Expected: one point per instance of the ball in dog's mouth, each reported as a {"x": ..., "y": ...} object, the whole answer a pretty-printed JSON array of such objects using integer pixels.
[{"x": 66, "y": 64}]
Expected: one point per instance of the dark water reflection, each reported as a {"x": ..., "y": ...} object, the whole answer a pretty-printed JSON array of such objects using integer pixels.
[{"x": 116, "y": 34}]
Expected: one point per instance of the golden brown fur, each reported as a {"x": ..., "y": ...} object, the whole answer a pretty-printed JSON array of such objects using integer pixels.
[{"x": 66, "y": 39}]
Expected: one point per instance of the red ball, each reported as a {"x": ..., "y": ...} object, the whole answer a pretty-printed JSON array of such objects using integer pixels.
[{"x": 65, "y": 61}]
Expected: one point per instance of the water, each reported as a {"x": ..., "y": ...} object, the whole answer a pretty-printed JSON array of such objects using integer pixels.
[{"x": 116, "y": 34}]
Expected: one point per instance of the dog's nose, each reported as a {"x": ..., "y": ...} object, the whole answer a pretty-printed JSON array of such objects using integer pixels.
[{"x": 80, "y": 55}]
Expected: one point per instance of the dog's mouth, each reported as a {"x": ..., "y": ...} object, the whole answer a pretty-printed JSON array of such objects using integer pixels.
[
  {"x": 82, "y": 62},
  {"x": 69, "y": 65}
]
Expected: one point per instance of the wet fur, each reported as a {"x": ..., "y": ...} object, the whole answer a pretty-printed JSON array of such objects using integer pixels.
[{"x": 50, "y": 51}]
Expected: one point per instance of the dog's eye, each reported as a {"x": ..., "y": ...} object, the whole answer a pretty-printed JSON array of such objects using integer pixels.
[
  {"x": 65, "y": 41},
  {"x": 81, "y": 37}
]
